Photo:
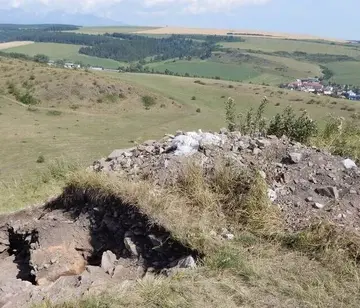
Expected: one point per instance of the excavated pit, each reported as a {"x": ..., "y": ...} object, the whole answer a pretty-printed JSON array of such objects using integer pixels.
[{"x": 77, "y": 242}]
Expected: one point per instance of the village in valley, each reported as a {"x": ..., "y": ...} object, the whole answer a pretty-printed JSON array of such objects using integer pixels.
[{"x": 316, "y": 86}]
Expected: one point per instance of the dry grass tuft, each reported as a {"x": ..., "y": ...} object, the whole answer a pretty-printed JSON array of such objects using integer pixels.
[{"x": 327, "y": 242}]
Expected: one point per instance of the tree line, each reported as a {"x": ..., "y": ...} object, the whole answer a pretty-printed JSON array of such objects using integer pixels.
[{"x": 128, "y": 48}]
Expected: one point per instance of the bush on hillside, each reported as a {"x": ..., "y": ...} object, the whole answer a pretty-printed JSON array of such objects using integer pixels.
[
  {"x": 299, "y": 128},
  {"x": 148, "y": 101}
]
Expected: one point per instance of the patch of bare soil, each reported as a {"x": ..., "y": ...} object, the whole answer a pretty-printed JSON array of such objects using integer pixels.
[
  {"x": 14, "y": 44},
  {"x": 70, "y": 248}
]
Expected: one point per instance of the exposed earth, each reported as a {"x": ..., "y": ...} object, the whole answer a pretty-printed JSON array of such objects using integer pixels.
[{"x": 71, "y": 247}]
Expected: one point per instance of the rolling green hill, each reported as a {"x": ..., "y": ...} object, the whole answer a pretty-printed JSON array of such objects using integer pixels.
[{"x": 63, "y": 51}]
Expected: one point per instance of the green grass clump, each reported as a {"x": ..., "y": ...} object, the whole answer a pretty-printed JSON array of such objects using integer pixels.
[
  {"x": 148, "y": 101},
  {"x": 54, "y": 113}
]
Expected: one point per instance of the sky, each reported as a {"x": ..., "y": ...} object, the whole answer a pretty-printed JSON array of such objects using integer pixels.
[{"x": 327, "y": 18}]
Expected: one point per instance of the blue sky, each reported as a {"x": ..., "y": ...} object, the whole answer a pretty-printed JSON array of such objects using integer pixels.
[{"x": 330, "y": 18}]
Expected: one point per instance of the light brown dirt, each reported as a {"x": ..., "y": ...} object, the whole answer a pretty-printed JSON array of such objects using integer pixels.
[
  {"x": 14, "y": 44},
  {"x": 208, "y": 31}
]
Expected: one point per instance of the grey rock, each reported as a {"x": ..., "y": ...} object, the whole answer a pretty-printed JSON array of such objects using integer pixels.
[
  {"x": 3, "y": 248},
  {"x": 349, "y": 163},
  {"x": 229, "y": 236},
  {"x": 108, "y": 261},
  {"x": 243, "y": 146},
  {"x": 318, "y": 205},
  {"x": 272, "y": 195},
  {"x": 330, "y": 192},
  {"x": 156, "y": 241},
  {"x": 262, "y": 143},
  {"x": 223, "y": 131},
  {"x": 129, "y": 243},
  {"x": 119, "y": 152},
  {"x": 353, "y": 192},
  {"x": 309, "y": 199},
  {"x": 187, "y": 262},
  {"x": 256, "y": 151},
  {"x": 295, "y": 158}
]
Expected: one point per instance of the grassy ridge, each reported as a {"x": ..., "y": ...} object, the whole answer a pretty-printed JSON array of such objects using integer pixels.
[
  {"x": 208, "y": 69},
  {"x": 271, "y": 45},
  {"x": 63, "y": 51}
]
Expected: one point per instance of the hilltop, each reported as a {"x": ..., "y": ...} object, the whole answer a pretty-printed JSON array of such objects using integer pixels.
[{"x": 194, "y": 219}]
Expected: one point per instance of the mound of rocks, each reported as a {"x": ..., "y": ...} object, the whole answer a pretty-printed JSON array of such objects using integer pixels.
[{"x": 305, "y": 182}]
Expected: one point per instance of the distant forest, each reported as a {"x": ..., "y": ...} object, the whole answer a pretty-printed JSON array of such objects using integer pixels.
[{"x": 119, "y": 46}]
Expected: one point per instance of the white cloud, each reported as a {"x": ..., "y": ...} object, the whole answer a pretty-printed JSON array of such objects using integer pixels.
[
  {"x": 63, "y": 5},
  {"x": 201, "y": 6},
  {"x": 95, "y": 6}
]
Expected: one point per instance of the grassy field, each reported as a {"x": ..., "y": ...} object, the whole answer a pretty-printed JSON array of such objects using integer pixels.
[
  {"x": 208, "y": 69},
  {"x": 112, "y": 29},
  {"x": 345, "y": 72},
  {"x": 211, "y": 96},
  {"x": 271, "y": 45},
  {"x": 63, "y": 51},
  {"x": 85, "y": 115}
]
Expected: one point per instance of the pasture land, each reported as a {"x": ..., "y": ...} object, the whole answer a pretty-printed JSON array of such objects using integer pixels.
[
  {"x": 81, "y": 116},
  {"x": 85, "y": 115},
  {"x": 63, "y": 51},
  {"x": 210, "y": 97},
  {"x": 208, "y": 69},
  {"x": 273, "y": 44},
  {"x": 14, "y": 44},
  {"x": 112, "y": 29},
  {"x": 345, "y": 72}
]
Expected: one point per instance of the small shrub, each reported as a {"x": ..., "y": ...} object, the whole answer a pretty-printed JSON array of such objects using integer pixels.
[
  {"x": 193, "y": 98},
  {"x": 32, "y": 77},
  {"x": 222, "y": 96},
  {"x": 28, "y": 99},
  {"x": 277, "y": 104},
  {"x": 300, "y": 129},
  {"x": 200, "y": 82},
  {"x": 32, "y": 109},
  {"x": 198, "y": 110},
  {"x": 310, "y": 102},
  {"x": 53, "y": 113},
  {"x": 148, "y": 101},
  {"x": 122, "y": 95},
  {"x": 40, "y": 159},
  {"x": 230, "y": 114},
  {"x": 74, "y": 107},
  {"x": 333, "y": 102},
  {"x": 231, "y": 86},
  {"x": 162, "y": 106}
]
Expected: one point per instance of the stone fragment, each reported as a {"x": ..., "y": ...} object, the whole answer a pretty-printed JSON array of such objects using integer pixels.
[
  {"x": 318, "y": 205},
  {"x": 272, "y": 195},
  {"x": 118, "y": 153},
  {"x": 108, "y": 261},
  {"x": 330, "y": 192},
  {"x": 349, "y": 163},
  {"x": 129, "y": 243},
  {"x": 295, "y": 158},
  {"x": 229, "y": 236},
  {"x": 187, "y": 262}
]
